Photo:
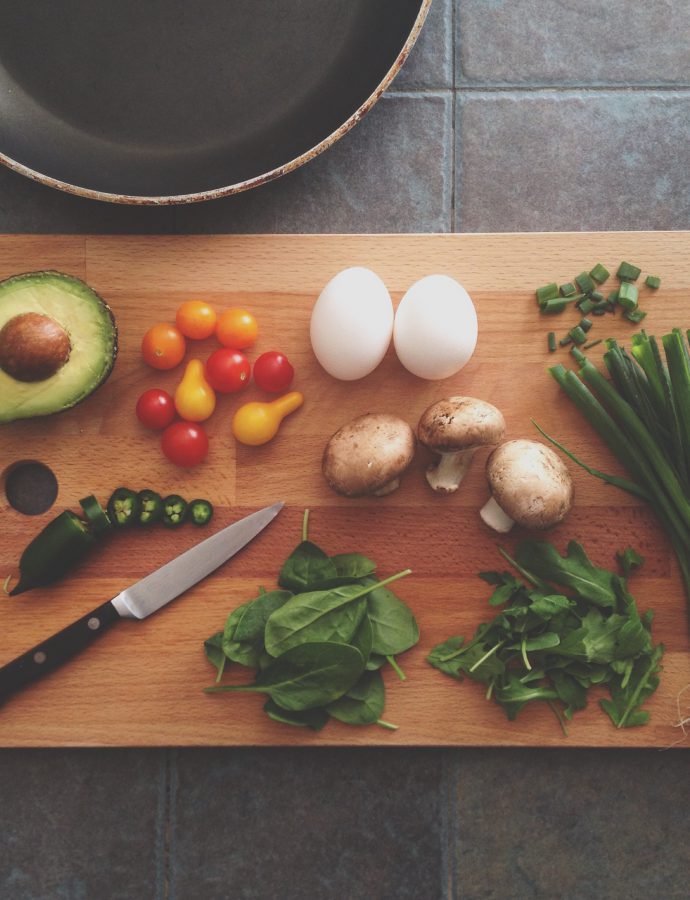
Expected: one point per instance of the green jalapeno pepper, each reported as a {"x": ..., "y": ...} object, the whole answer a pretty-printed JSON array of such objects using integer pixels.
[
  {"x": 53, "y": 552},
  {"x": 174, "y": 510},
  {"x": 123, "y": 508},
  {"x": 95, "y": 514},
  {"x": 150, "y": 507},
  {"x": 200, "y": 512}
]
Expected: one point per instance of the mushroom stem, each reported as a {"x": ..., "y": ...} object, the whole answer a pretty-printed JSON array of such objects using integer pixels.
[
  {"x": 445, "y": 476},
  {"x": 387, "y": 488},
  {"x": 495, "y": 517}
]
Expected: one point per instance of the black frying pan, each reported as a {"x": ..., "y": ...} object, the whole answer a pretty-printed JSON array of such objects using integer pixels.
[{"x": 165, "y": 101}]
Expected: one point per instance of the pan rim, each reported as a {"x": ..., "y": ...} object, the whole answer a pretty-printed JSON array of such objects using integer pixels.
[{"x": 248, "y": 184}]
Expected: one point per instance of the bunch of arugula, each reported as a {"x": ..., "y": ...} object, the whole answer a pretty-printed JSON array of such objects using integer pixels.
[
  {"x": 318, "y": 642},
  {"x": 565, "y": 627}
]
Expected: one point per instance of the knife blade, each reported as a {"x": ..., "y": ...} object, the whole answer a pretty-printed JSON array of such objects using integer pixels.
[{"x": 137, "y": 601}]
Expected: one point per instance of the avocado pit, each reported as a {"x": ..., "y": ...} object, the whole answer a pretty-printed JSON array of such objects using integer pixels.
[{"x": 33, "y": 347}]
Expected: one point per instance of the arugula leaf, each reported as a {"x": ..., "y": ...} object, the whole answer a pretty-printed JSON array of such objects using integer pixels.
[
  {"x": 574, "y": 570},
  {"x": 630, "y": 692},
  {"x": 629, "y": 561}
]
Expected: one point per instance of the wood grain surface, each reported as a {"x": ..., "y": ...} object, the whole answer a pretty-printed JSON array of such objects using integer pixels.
[{"x": 142, "y": 683}]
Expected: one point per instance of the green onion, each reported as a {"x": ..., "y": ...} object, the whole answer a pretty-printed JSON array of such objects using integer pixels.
[
  {"x": 597, "y": 296},
  {"x": 565, "y": 341},
  {"x": 586, "y": 306},
  {"x": 577, "y": 335},
  {"x": 628, "y": 272},
  {"x": 552, "y": 341},
  {"x": 585, "y": 282},
  {"x": 653, "y": 281},
  {"x": 628, "y": 295},
  {"x": 579, "y": 357},
  {"x": 586, "y": 324},
  {"x": 591, "y": 344},
  {"x": 643, "y": 415},
  {"x": 568, "y": 289},
  {"x": 555, "y": 305},
  {"x": 599, "y": 273},
  {"x": 548, "y": 292},
  {"x": 634, "y": 315}
]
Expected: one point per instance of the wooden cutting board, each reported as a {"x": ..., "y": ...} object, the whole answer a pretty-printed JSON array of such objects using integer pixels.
[{"x": 142, "y": 683}]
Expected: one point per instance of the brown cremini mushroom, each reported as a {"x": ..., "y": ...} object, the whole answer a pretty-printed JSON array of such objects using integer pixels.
[
  {"x": 368, "y": 455},
  {"x": 455, "y": 429},
  {"x": 529, "y": 484}
]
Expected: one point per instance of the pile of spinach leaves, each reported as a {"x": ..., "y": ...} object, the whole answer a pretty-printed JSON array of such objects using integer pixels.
[
  {"x": 565, "y": 627},
  {"x": 319, "y": 641}
]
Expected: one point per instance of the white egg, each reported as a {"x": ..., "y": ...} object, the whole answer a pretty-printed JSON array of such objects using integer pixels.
[
  {"x": 435, "y": 329},
  {"x": 352, "y": 324}
]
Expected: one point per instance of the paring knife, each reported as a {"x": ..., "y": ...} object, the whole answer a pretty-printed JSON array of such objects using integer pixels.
[{"x": 136, "y": 602}]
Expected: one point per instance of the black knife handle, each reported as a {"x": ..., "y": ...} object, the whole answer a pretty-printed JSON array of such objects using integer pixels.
[{"x": 51, "y": 653}]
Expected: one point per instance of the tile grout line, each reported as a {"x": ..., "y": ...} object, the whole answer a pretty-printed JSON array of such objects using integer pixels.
[
  {"x": 453, "y": 145},
  {"x": 545, "y": 87},
  {"x": 165, "y": 825}
]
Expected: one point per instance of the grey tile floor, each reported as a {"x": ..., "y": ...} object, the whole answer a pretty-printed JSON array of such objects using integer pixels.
[{"x": 510, "y": 115}]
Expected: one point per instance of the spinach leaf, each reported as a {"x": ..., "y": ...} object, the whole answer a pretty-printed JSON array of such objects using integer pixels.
[
  {"x": 306, "y": 566},
  {"x": 306, "y": 676},
  {"x": 363, "y": 639},
  {"x": 573, "y": 571},
  {"x": 307, "y": 718},
  {"x": 333, "y": 615},
  {"x": 394, "y": 627},
  {"x": 363, "y": 703},
  {"x": 353, "y": 565},
  {"x": 375, "y": 661},
  {"x": 252, "y": 622},
  {"x": 244, "y": 653},
  {"x": 213, "y": 648}
]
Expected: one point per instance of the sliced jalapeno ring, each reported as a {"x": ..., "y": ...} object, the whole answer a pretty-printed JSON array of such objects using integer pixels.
[
  {"x": 123, "y": 507},
  {"x": 200, "y": 512},
  {"x": 150, "y": 507},
  {"x": 95, "y": 514},
  {"x": 174, "y": 510}
]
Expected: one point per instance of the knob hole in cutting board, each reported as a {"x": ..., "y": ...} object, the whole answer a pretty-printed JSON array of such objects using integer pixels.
[{"x": 30, "y": 487}]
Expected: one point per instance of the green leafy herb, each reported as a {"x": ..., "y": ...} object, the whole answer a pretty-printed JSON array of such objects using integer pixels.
[
  {"x": 286, "y": 635},
  {"x": 551, "y": 646},
  {"x": 629, "y": 561}
]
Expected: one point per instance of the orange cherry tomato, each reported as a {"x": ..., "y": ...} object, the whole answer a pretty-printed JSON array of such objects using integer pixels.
[
  {"x": 163, "y": 346},
  {"x": 236, "y": 328},
  {"x": 196, "y": 319}
]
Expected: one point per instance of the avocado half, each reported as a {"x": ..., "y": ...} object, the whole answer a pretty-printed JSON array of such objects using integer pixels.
[{"x": 71, "y": 308}]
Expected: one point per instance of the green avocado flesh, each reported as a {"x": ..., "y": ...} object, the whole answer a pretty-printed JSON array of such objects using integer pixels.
[{"x": 90, "y": 326}]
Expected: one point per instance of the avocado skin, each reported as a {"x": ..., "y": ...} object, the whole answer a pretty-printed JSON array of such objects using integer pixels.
[{"x": 60, "y": 278}]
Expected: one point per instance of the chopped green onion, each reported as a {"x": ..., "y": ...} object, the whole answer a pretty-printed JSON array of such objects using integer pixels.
[
  {"x": 586, "y": 324},
  {"x": 586, "y": 306},
  {"x": 653, "y": 281},
  {"x": 548, "y": 292},
  {"x": 599, "y": 273},
  {"x": 612, "y": 297},
  {"x": 591, "y": 344},
  {"x": 579, "y": 357},
  {"x": 577, "y": 335},
  {"x": 600, "y": 310},
  {"x": 634, "y": 315},
  {"x": 627, "y": 295},
  {"x": 568, "y": 289},
  {"x": 565, "y": 341},
  {"x": 552, "y": 341},
  {"x": 585, "y": 283},
  {"x": 628, "y": 272},
  {"x": 597, "y": 296}
]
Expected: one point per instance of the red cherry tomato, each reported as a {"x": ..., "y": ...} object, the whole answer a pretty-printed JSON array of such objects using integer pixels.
[
  {"x": 185, "y": 444},
  {"x": 227, "y": 371},
  {"x": 273, "y": 372},
  {"x": 155, "y": 409}
]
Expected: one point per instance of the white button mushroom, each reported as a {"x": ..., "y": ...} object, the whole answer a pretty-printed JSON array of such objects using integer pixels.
[
  {"x": 455, "y": 429},
  {"x": 529, "y": 484},
  {"x": 368, "y": 455}
]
